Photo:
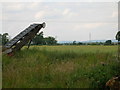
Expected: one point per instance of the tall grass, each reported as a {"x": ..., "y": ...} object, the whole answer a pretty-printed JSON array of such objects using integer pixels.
[{"x": 60, "y": 67}]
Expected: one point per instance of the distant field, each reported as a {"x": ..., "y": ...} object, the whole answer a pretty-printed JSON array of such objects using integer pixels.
[{"x": 60, "y": 67}]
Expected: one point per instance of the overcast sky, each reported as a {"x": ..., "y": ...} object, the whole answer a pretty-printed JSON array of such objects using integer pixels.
[{"x": 67, "y": 21}]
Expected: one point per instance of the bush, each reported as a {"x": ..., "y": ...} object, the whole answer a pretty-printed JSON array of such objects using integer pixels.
[{"x": 99, "y": 75}]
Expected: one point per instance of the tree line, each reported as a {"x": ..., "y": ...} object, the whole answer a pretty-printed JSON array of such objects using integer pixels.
[
  {"x": 41, "y": 40},
  {"x": 107, "y": 42}
]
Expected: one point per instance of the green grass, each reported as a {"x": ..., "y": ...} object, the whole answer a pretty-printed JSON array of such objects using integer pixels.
[{"x": 60, "y": 67}]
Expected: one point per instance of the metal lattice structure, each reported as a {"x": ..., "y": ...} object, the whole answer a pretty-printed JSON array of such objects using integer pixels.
[{"x": 22, "y": 38}]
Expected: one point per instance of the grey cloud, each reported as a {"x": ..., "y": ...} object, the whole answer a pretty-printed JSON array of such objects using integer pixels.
[{"x": 67, "y": 21}]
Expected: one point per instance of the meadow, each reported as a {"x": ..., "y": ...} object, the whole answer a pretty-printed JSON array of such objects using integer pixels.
[{"x": 60, "y": 67}]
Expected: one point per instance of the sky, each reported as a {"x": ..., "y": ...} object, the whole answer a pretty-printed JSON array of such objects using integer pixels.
[{"x": 66, "y": 21}]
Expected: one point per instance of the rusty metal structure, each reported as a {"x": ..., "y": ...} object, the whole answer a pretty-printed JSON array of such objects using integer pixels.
[{"x": 22, "y": 38}]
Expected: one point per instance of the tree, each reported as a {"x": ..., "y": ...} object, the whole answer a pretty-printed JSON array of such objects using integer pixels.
[
  {"x": 80, "y": 43},
  {"x": 74, "y": 42},
  {"x": 108, "y": 42},
  {"x": 4, "y": 38},
  {"x": 50, "y": 41},
  {"x": 38, "y": 40},
  {"x": 118, "y": 36}
]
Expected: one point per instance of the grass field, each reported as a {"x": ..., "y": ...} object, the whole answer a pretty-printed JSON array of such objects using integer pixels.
[{"x": 60, "y": 67}]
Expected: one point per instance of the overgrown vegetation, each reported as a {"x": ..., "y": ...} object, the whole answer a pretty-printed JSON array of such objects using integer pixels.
[{"x": 61, "y": 67}]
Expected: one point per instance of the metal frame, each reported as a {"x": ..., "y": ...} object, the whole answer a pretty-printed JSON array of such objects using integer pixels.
[{"x": 22, "y": 38}]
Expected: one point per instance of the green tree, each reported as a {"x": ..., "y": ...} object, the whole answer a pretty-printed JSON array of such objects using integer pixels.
[
  {"x": 50, "y": 41},
  {"x": 118, "y": 36},
  {"x": 74, "y": 42},
  {"x": 4, "y": 38},
  {"x": 108, "y": 42},
  {"x": 80, "y": 43},
  {"x": 38, "y": 40}
]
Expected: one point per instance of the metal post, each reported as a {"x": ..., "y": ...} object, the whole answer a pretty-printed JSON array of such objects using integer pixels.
[{"x": 29, "y": 44}]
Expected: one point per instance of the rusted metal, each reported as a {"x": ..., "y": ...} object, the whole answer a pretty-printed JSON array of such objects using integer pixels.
[{"x": 22, "y": 38}]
